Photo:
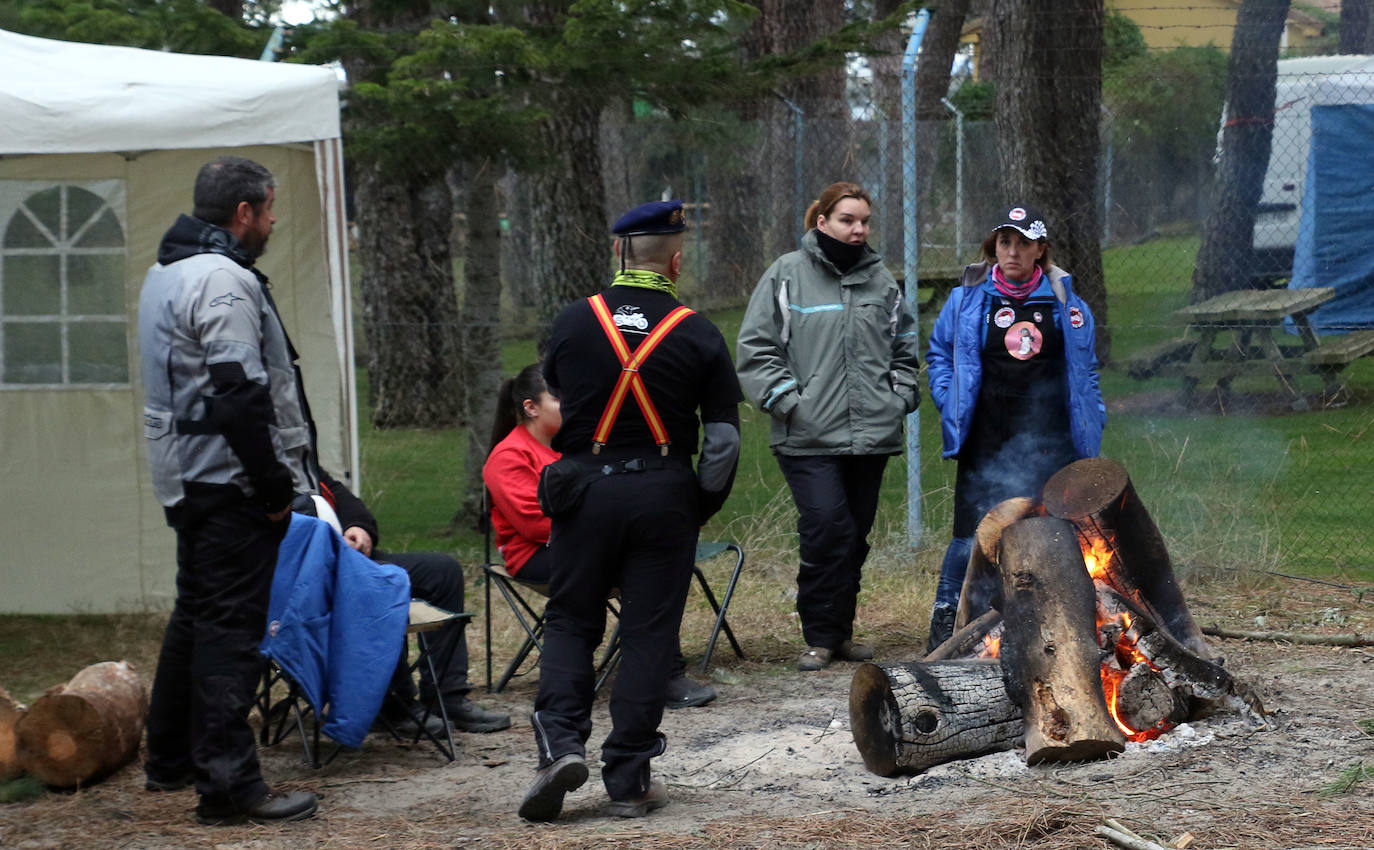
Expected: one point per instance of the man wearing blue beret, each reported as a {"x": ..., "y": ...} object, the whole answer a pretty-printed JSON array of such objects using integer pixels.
[{"x": 633, "y": 370}]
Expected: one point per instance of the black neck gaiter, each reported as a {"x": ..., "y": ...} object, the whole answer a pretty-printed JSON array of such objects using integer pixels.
[{"x": 843, "y": 255}]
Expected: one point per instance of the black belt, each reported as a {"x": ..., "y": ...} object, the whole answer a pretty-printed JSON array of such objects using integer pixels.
[{"x": 641, "y": 464}]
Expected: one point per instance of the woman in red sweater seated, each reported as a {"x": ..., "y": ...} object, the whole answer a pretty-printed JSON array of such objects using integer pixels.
[{"x": 527, "y": 417}]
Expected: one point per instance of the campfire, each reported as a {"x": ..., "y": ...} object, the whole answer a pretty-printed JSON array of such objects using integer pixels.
[{"x": 1071, "y": 636}]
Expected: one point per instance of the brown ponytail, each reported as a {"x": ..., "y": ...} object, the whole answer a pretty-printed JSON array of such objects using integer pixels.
[{"x": 510, "y": 401}]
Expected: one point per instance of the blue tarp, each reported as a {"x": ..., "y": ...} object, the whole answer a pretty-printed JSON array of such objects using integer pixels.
[{"x": 1336, "y": 235}]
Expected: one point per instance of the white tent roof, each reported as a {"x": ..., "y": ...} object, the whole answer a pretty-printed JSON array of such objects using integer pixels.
[{"x": 65, "y": 97}]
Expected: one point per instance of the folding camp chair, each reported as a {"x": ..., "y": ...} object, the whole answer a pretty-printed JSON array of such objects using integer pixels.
[
  {"x": 289, "y": 712},
  {"x": 516, "y": 594},
  {"x": 705, "y": 552},
  {"x": 519, "y": 595}
]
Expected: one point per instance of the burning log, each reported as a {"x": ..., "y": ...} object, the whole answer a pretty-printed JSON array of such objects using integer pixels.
[
  {"x": 1049, "y": 646},
  {"x": 1145, "y": 700},
  {"x": 970, "y": 640},
  {"x": 1097, "y": 496},
  {"x": 85, "y": 729},
  {"x": 10, "y": 712},
  {"x": 982, "y": 588},
  {"x": 1183, "y": 672},
  {"x": 909, "y": 717}
]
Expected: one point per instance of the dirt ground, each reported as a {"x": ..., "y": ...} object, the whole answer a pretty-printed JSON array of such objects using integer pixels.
[{"x": 772, "y": 764}]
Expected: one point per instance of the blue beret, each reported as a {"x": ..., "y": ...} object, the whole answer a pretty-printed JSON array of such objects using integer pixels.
[{"x": 653, "y": 217}]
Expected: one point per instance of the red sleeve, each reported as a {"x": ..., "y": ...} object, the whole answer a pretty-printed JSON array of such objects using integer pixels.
[{"x": 512, "y": 476}]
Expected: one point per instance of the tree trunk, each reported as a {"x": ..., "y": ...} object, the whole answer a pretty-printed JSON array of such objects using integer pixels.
[
  {"x": 755, "y": 210},
  {"x": 1225, "y": 259},
  {"x": 909, "y": 717},
  {"x": 410, "y": 305},
  {"x": 517, "y": 268},
  {"x": 1049, "y": 647},
  {"x": 405, "y": 225},
  {"x": 827, "y": 141},
  {"x": 886, "y": 64},
  {"x": 1357, "y": 27},
  {"x": 571, "y": 238},
  {"x": 1097, "y": 496},
  {"x": 10, "y": 712},
  {"x": 481, "y": 372},
  {"x": 85, "y": 729},
  {"x": 1049, "y": 102}
]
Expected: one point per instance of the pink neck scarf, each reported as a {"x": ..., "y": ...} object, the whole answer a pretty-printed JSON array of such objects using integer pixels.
[{"x": 1019, "y": 291}]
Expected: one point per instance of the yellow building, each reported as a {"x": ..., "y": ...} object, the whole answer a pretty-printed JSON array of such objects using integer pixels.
[{"x": 1167, "y": 24}]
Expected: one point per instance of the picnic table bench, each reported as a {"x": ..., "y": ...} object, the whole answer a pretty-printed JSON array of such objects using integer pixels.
[{"x": 1252, "y": 317}]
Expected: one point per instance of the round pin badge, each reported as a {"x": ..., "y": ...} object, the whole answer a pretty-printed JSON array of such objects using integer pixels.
[
  {"x": 1004, "y": 317},
  {"x": 1076, "y": 317},
  {"x": 1023, "y": 341},
  {"x": 1038, "y": 316}
]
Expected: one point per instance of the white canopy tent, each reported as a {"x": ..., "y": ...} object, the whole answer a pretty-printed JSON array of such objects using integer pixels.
[{"x": 99, "y": 148}]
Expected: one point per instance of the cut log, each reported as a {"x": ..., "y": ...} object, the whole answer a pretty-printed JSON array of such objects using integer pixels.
[
  {"x": 1097, "y": 496},
  {"x": 982, "y": 590},
  {"x": 1049, "y": 647},
  {"x": 1182, "y": 670},
  {"x": 910, "y": 717},
  {"x": 966, "y": 642},
  {"x": 10, "y": 712},
  {"x": 85, "y": 729},
  {"x": 1145, "y": 700}
]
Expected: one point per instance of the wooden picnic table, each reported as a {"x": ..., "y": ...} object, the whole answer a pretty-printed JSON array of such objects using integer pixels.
[
  {"x": 1251, "y": 320},
  {"x": 936, "y": 282}
]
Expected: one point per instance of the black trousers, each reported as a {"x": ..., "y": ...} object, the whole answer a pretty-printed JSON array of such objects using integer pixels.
[
  {"x": 837, "y": 499},
  {"x": 637, "y": 532},
  {"x": 437, "y": 579},
  {"x": 209, "y": 667}
]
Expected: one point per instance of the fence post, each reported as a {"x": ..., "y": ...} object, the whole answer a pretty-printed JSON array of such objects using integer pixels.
[
  {"x": 909, "y": 256},
  {"x": 799, "y": 116},
  {"x": 958, "y": 182}
]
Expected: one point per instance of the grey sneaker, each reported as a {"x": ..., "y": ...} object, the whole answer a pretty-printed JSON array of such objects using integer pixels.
[
  {"x": 655, "y": 798},
  {"x": 544, "y": 800},
  {"x": 815, "y": 658}
]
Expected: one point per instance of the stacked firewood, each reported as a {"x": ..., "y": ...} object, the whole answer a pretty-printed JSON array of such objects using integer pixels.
[{"x": 1072, "y": 635}]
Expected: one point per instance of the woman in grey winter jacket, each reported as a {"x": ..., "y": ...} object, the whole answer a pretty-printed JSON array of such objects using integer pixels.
[
  {"x": 828, "y": 349},
  {"x": 1013, "y": 370}
]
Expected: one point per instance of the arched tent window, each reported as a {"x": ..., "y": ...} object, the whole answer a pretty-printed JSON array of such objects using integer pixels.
[{"x": 63, "y": 319}]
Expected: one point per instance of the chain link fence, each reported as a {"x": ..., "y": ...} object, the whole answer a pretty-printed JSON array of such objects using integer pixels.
[{"x": 1243, "y": 422}]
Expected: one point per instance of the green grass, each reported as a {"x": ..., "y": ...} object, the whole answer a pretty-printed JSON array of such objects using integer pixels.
[{"x": 1348, "y": 779}]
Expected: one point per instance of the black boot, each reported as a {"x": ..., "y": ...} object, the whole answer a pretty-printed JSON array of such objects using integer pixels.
[{"x": 941, "y": 627}]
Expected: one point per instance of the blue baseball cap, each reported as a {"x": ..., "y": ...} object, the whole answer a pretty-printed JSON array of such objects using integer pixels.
[{"x": 651, "y": 218}]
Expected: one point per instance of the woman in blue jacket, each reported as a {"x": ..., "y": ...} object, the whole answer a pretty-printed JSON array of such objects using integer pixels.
[{"x": 1013, "y": 372}]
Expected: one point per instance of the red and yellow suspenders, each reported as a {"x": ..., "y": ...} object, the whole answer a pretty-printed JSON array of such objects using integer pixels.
[{"x": 629, "y": 375}]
